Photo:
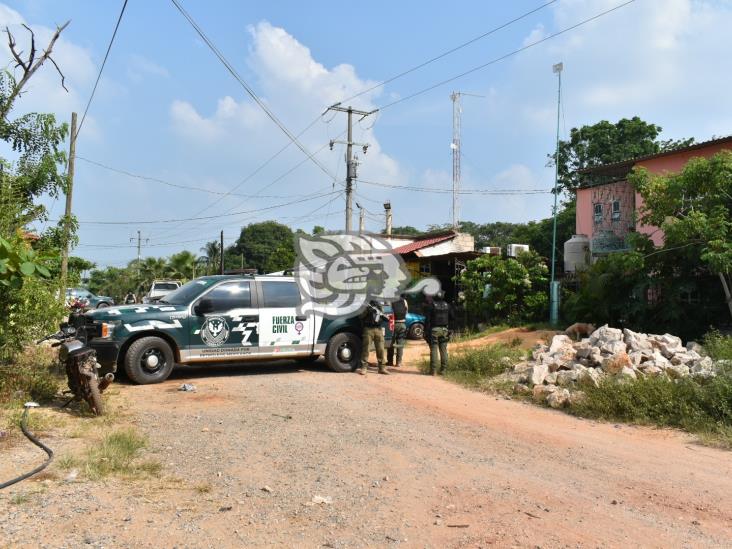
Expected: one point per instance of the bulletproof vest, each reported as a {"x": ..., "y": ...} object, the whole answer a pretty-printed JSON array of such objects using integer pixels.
[
  {"x": 372, "y": 319},
  {"x": 399, "y": 308},
  {"x": 440, "y": 314}
]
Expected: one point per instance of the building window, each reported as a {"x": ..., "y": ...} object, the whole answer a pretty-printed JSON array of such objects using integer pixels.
[
  {"x": 598, "y": 213},
  {"x": 425, "y": 268},
  {"x": 616, "y": 210}
]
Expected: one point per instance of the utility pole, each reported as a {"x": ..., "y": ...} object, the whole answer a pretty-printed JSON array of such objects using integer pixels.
[
  {"x": 457, "y": 112},
  {"x": 361, "y": 219},
  {"x": 221, "y": 267},
  {"x": 350, "y": 163},
  {"x": 387, "y": 211},
  {"x": 554, "y": 285},
  {"x": 139, "y": 250},
  {"x": 69, "y": 194}
]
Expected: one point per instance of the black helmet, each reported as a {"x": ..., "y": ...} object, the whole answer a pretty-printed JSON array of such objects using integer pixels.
[{"x": 440, "y": 295}]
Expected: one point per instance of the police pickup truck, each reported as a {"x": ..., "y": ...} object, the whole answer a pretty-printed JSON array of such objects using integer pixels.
[{"x": 219, "y": 319}]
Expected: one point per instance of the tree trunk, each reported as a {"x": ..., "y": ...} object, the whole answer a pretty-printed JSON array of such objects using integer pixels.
[{"x": 727, "y": 295}]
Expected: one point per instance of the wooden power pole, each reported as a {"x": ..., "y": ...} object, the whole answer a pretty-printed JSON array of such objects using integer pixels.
[
  {"x": 222, "y": 253},
  {"x": 67, "y": 214}
]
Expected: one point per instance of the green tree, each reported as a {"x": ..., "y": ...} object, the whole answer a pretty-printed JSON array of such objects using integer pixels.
[
  {"x": 606, "y": 143},
  {"x": 404, "y": 230},
  {"x": 694, "y": 208},
  {"x": 318, "y": 229},
  {"x": 517, "y": 289},
  {"x": 212, "y": 252},
  {"x": 258, "y": 242},
  {"x": 181, "y": 266}
]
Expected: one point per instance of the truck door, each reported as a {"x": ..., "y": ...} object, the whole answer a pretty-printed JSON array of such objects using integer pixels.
[
  {"x": 229, "y": 328},
  {"x": 282, "y": 332}
]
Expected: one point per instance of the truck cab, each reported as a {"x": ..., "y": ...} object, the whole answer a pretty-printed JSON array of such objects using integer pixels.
[{"x": 220, "y": 319}]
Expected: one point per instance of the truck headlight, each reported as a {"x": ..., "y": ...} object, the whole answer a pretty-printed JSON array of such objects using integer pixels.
[{"x": 107, "y": 328}]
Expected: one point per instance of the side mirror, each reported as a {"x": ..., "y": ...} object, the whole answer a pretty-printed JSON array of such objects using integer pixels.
[{"x": 206, "y": 305}]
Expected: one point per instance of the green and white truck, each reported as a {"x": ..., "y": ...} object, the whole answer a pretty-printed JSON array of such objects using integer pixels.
[{"x": 219, "y": 319}]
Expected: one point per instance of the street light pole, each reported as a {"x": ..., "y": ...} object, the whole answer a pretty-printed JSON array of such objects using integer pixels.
[{"x": 554, "y": 285}]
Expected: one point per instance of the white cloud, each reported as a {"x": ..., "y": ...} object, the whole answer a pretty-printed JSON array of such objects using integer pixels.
[
  {"x": 297, "y": 88},
  {"x": 140, "y": 67}
]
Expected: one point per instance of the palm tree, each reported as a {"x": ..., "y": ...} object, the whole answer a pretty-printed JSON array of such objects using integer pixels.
[
  {"x": 212, "y": 250},
  {"x": 181, "y": 265}
]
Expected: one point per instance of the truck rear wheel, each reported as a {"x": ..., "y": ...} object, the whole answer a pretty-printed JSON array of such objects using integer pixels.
[
  {"x": 149, "y": 360},
  {"x": 343, "y": 353}
]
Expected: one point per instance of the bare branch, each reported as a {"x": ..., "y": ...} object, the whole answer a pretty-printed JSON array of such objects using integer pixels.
[
  {"x": 16, "y": 55},
  {"x": 32, "y": 55},
  {"x": 63, "y": 78},
  {"x": 32, "y": 65}
]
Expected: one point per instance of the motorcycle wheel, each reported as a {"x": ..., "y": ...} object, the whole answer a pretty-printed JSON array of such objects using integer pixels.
[{"x": 94, "y": 399}]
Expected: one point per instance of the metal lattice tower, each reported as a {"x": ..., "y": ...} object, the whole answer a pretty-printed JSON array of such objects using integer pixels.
[{"x": 455, "y": 146}]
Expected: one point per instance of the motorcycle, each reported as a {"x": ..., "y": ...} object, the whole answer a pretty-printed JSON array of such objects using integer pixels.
[{"x": 81, "y": 367}]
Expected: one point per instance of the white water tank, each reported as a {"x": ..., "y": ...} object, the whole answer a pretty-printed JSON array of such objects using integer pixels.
[
  {"x": 491, "y": 250},
  {"x": 514, "y": 249},
  {"x": 576, "y": 253}
]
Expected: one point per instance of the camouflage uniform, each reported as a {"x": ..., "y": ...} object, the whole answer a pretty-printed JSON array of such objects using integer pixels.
[
  {"x": 439, "y": 315},
  {"x": 399, "y": 336},
  {"x": 372, "y": 332}
]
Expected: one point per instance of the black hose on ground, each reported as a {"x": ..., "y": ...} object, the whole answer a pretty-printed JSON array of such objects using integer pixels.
[{"x": 34, "y": 440}]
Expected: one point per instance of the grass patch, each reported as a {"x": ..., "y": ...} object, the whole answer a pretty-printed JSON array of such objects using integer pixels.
[
  {"x": 700, "y": 406},
  {"x": 471, "y": 366},
  {"x": 203, "y": 488},
  {"x": 32, "y": 375},
  {"x": 116, "y": 454},
  {"x": 718, "y": 346},
  {"x": 20, "y": 498}
]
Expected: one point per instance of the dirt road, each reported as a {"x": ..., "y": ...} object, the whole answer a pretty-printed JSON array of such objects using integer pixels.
[{"x": 406, "y": 460}]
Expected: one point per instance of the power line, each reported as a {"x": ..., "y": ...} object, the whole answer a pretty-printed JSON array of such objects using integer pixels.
[
  {"x": 101, "y": 69},
  {"x": 294, "y": 139},
  {"x": 450, "y": 51},
  {"x": 149, "y": 222},
  {"x": 503, "y": 57},
  {"x": 504, "y": 192},
  {"x": 176, "y": 185}
]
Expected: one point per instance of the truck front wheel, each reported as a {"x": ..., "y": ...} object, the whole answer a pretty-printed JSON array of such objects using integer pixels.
[
  {"x": 149, "y": 360},
  {"x": 343, "y": 353}
]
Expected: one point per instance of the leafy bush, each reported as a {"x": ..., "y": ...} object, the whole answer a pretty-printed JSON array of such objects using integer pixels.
[
  {"x": 472, "y": 364},
  {"x": 517, "y": 288},
  {"x": 33, "y": 373},
  {"x": 28, "y": 314},
  {"x": 697, "y": 405},
  {"x": 718, "y": 346}
]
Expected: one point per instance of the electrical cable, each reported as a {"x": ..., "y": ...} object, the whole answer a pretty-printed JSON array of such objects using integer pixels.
[
  {"x": 250, "y": 91},
  {"x": 448, "y": 52},
  {"x": 461, "y": 191},
  {"x": 104, "y": 62},
  {"x": 150, "y": 222},
  {"x": 175, "y": 185},
  {"x": 503, "y": 57},
  {"x": 34, "y": 440}
]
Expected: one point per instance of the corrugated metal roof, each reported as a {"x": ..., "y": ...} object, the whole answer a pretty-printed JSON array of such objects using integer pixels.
[{"x": 420, "y": 244}]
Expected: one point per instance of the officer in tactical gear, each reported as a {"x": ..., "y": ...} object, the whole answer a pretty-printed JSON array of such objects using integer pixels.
[
  {"x": 371, "y": 319},
  {"x": 399, "y": 337},
  {"x": 439, "y": 317}
]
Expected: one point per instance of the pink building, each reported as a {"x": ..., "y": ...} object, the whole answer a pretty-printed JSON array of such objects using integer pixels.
[{"x": 609, "y": 209}]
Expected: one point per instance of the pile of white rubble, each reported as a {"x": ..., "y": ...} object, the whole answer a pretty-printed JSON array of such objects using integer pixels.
[{"x": 557, "y": 372}]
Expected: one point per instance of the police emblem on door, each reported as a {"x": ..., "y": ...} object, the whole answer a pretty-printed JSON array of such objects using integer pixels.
[{"x": 215, "y": 331}]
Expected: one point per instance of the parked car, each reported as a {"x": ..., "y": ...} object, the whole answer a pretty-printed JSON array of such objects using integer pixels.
[
  {"x": 222, "y": 318},
  {"x": 93, "y": 301},
  {"x": 415, "y": 325},
  {"x": 159, "y": 289}
]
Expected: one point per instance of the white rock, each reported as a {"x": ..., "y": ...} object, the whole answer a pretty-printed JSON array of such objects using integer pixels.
[
  {"x": 695, "y": 347},
  {"x": 590, "y": 376},
  {"x": 651, "y": 370},
  {"x": 605, "y": 334},
  {"x": 540, "y": 392},
  {"x": 627, "y": 373},
  {"x": 558, "y": 398},
  {"x": 682, "y": 358},
  {"x": 677, "y": 371},
  {"x": 612, "y": 347},
  {"x": 537, "y": 374},
  {"x": 659, "y": 360},
  {"x": 566, "y": 377},
  {"x": 577, "y": 367},
  {"x": 668, "y": 344},
  {"x": 636, "y": 341},
  {"x": 576, "y": 397},
  {"x": 586, "y": 352},
  {"x": 560, "y": 343},
  {"x": 551, "y": 378}
]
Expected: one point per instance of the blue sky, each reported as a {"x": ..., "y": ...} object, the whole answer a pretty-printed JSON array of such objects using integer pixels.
[{"x": 167, "y": 109}]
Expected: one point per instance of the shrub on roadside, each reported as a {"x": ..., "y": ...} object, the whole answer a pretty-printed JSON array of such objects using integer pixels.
[
  {"x": 718, "y": 346},
  {"x": 701, "y": 406},
  {"x": 472, "y": 364},
  {"x": 32, "y": 375}
]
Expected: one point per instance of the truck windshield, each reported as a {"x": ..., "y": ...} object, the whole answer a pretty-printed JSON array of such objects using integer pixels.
[{"x": 187, "y": 293}]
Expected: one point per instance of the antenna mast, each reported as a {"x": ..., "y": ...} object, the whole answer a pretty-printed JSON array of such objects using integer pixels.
[{"x": 455, "y": 146}]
